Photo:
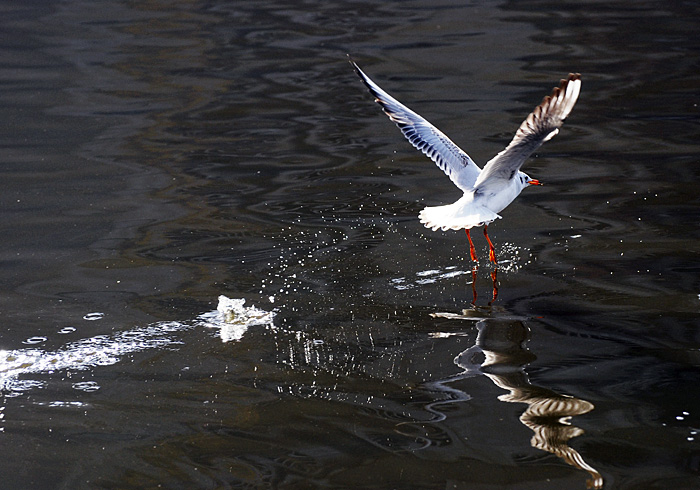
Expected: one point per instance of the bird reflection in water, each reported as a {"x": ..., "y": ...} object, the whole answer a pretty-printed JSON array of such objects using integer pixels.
[
  {"x": 500, "y": 355},
  {"x": 494, "y": 280}
]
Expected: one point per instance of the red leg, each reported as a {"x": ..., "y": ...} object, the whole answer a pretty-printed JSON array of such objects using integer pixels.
[
  {"x": 495, "y": 286},
  {"x": 492, "y": 252},
  {"x": 471, "y": 246},
  {"x": 474, "y": 286}
]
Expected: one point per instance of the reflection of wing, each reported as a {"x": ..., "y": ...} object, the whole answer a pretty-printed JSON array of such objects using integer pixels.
[
  {"x": 456, "y": 164},
  {"x": 541, "y": 125},
  {"x": 548, "y": 414},
  {"x": 548, "y": 418}
]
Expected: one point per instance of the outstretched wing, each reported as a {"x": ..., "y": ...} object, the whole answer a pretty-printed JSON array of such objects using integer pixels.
[
  {"x": 456, "y": 164},
  {"x": 540, "y": 126}
]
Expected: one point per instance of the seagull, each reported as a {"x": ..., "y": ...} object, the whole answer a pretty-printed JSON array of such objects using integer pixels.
[{"x": 486, "y": 192}]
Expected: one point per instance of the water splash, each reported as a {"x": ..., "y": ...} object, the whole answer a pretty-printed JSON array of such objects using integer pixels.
[
  {"x": 233, "y": 318},
  {"x": 17, "y": 366},
  {"x": 427, "y": 277},
  {"x": 509, "y": 261}
]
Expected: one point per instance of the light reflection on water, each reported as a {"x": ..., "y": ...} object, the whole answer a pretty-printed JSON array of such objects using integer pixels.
[{"x": 157, "y": 155}]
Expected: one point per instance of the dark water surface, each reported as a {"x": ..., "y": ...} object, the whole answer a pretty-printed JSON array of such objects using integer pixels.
[{"x": 158, "y": 155}]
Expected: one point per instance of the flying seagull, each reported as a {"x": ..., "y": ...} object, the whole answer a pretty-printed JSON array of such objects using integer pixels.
[{"x": 486, "y": 192}]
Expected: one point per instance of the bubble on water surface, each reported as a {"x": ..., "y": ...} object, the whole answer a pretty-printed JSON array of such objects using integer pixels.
[
  {"x": 94, "y": 316},
  {"x": 34, "y": 340}
]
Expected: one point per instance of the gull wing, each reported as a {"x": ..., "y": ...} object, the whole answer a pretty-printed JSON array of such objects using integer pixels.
[
  {"x": 540, "y": 126},
  {"x": 456, "y": 164}
]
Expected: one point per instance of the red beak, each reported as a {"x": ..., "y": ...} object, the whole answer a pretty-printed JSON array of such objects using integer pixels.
[{"x": 534, "y": 182}]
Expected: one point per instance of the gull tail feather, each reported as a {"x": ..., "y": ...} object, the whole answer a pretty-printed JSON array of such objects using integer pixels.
[{"x": 448, "y": 218}]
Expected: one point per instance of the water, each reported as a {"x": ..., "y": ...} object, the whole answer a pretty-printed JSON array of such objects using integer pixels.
[{"x": 157, "y": 156}]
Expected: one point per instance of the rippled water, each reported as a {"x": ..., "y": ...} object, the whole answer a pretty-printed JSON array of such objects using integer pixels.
[{"x": 156, "y": 156}]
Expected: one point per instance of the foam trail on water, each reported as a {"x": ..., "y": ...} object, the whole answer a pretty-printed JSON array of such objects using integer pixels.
[{"x": 231, "y": 317}]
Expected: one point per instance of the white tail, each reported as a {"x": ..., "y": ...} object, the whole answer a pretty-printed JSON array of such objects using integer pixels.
[{"x": 449, "y": 218}]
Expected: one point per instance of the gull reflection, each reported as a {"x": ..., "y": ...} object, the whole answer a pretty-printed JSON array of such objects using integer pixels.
[
  {"x": 499, "y": 354},
  {"x": 494, "y": 280}
]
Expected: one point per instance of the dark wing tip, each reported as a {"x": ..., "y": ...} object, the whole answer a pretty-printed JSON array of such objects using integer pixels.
[
  {"x": 354, "y": 65},
  {"x": 356, "y": 68},
  {"x": 561, "y": 88},
  {"x": 571, "y": 78},
  {"x": 362, "y": 76}
]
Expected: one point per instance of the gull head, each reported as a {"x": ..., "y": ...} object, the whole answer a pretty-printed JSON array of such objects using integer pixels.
[{"x": 525, "y": 180}]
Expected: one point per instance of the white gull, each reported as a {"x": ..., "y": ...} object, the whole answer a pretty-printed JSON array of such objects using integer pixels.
[{"x": 486, "y": 192}]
